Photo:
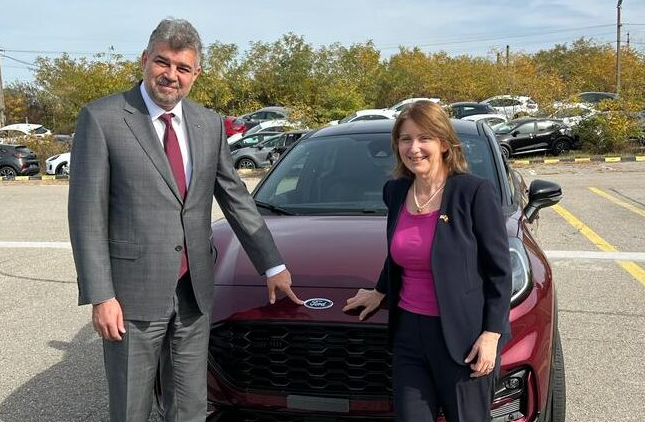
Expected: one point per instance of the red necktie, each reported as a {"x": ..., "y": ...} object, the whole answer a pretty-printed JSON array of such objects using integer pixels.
[{"x": 171, "y": 147}]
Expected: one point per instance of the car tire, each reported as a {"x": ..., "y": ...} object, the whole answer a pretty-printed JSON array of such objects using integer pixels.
[
  {"x": 560, "y": 146},
  {"x": 62, "y": 169},
  {"x": 245, "y": 163},
  {"x": 8, "y": 172},
  {"x": 558, "y": 385},
  {"x": 506, "y": 151}
]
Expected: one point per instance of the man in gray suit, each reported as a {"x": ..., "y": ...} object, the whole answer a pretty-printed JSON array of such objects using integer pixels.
[{"x": 147, "y": 163}]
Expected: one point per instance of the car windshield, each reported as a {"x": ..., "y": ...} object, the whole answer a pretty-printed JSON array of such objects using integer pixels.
[
  {"x": 345, "y": 174},
  {"x": 348, "y": 118},
  {"x": 270, "y": 141},
  {"x": 506, "y": 127}
]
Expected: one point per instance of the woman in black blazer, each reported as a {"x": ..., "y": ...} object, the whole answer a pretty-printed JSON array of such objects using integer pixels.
[{"x": 447, "y": 274}]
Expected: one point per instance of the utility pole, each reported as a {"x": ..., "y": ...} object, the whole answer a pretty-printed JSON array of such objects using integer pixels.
[
  {"x": 2, "y": 116},
  {"x": 618, "y": 26}
]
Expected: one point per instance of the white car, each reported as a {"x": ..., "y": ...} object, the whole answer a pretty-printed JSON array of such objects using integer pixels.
[
  {"x": 572, "y": 113},
  {"x": 491, "y": 119},
  {"x": 367, "y": 114},
  {"x": 58, "y": 164},
  {"x": 513, "y": 106},
  {"x": 28, "y": 129},
  {"x": 279, "y": 125},
  {"x": 399, "y": 106}
]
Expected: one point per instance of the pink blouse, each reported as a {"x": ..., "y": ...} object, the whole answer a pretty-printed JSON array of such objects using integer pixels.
[{"x": 411, "y": 249}]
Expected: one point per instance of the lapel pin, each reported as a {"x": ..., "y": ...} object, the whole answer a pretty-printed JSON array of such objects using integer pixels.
[{"x": 444, "y": 218}]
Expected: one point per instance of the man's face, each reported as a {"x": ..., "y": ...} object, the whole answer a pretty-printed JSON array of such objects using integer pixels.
[{"x": 169, "y": 74}]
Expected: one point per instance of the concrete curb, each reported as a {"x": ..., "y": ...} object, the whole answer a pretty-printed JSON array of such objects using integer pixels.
[
  {"x": 594, "y": 159},
  {"x": 244, "y": 174}
]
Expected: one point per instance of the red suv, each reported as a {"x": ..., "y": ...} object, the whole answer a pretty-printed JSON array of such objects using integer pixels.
[{"x": 322, "y": 202}]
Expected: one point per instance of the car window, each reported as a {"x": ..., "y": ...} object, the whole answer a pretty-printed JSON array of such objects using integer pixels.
[
  {"x": 526, "y": 128},
  {"x": 348, "y": 118},
  {"x": 251, "y": 140},
  {"x": 344, "y": 174},
  {"x": 40, "y": 130},
  {"x": 495, "y": 103},
  {"x": 545, "y": 125}
]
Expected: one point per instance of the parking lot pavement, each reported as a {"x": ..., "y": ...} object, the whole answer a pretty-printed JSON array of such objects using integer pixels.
[{"x": 50, "y": 358}]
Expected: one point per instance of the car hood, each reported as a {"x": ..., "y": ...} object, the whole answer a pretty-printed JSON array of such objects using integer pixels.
[{"x": 320, "y": 251}]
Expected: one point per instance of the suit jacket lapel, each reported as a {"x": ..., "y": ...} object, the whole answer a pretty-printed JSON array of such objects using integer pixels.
[
  {"x": 138, "y": 120},
  {"x": 195, "y": 129}
]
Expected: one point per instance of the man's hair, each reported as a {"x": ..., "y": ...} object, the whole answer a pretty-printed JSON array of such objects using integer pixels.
[
  {"x": 434, "y": 120},
  {"x": 179, "y": 34}
]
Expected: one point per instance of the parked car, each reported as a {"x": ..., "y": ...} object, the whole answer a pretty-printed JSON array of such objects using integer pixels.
[
  {"x": 286, "y": 140},
  {"x": 521, "y": 136},
  {"x": 463, "y": 109},
  {"x": 251, "y": 140},
  {"x": 27, "y": 129},
  {"x": 513, "y": 106},
  {"x": 399, "y": 106},
  {"x": 256, "y": 156},
  {"x": 17, "y": 160},
  {"x": 264, "y": 114},
  {"x": 233, "y": 125},
  {"x": 58, "y": 164},
  {"x": 268, "y": 126},
  {"x": 367, "y": 114},
  {"x": 323, "y": 203},
  {"x": 595, "y": 97},
  {"x": 572, "y": 113},
  {"x": 489, "y": 119}
]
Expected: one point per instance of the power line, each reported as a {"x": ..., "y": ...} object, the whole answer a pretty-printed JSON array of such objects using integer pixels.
[{"x": 18, "y": 60}]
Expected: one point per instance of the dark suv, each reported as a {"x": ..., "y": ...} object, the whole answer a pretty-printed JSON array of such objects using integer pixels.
[
  {"x": 526, "y": 135},
  {"x": 17, "y": 160},
  {"x": 323, "y": 204}
]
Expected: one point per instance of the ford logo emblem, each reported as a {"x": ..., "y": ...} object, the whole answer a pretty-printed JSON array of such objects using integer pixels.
[{"x": 318, "y": 303}]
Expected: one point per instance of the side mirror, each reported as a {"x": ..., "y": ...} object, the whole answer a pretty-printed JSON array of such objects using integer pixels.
[
  {"x": 542, "y": 194},
  {"x": 515, "y": 133}
]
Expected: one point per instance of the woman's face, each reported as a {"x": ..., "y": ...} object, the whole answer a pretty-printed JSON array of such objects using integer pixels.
[{"x": 420, "y": 152}]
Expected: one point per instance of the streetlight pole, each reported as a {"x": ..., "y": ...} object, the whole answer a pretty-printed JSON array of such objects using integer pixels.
[{"x": 618, "y": 26}]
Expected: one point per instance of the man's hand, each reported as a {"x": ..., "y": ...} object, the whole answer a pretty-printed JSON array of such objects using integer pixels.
[
  {"x": 107, "y": 318},
  {"x": 368, "y": 299},
  {"x": 282, "y": 281},
  {"x": 485, "y": 348}
]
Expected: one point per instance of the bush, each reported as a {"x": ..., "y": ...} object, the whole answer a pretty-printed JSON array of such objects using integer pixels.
[
  {"x": 45, "y": 147},
  {"x": 609, "y": 132}
]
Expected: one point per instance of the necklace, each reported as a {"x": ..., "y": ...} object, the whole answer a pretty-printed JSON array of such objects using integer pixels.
[{"x": 416, "y": 201}]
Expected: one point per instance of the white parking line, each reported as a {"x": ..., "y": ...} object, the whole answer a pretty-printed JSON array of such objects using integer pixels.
[
  {"x": 36, "y": 245},
  {"x": 610, "y": 256},
  {"x": 620, "y": 256}
]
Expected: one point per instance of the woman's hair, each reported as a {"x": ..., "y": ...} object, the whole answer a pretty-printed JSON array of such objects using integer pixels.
[
  {"x": 180, "y": 34},
  {"x": 433, "y": 120}
]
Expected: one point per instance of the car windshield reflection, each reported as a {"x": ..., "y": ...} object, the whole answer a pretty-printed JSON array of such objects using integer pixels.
[{"x": 345, "y": 174}]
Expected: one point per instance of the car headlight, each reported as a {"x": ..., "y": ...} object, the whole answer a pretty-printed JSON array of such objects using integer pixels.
[{"x": 520, "y": 269}]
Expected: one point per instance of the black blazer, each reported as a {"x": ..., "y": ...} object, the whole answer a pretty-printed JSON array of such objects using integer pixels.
[{"x": 470, "y": 261}]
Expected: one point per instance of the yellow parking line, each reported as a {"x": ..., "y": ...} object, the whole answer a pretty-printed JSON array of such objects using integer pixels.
[
  {"x": 632, "y": 268},
  {"x": 617, "y": 201}
]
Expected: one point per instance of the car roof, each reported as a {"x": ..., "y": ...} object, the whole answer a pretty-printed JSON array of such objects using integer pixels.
[
  {"x": 460, "y": 103},
  {"x": 380, "y": 111},
  {"x": 462, "y": 127},
  {"x": 25, "y": 127}
]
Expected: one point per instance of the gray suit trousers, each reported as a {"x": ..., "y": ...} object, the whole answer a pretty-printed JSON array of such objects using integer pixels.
[{"x": 178, "y": 346}]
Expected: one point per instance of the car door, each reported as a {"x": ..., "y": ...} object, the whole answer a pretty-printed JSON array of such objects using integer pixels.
[
  {"x": 545, "y": 133},
  {"x": 523, "y": 138}
]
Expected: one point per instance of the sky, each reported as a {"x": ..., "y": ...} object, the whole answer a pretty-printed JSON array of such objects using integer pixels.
[{"x": 83, "y": 28}]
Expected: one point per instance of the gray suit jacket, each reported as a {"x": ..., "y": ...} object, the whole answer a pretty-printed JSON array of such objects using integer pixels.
[{"x": 126, "y": 218}]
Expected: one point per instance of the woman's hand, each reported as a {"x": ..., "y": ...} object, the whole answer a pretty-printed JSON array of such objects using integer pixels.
[
  {"x": 368, "y": 299},
  {"x": 485, "y": 349}
]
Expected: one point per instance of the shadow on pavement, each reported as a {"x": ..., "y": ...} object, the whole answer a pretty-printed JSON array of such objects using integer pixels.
[{"x": 72, "y": 390}]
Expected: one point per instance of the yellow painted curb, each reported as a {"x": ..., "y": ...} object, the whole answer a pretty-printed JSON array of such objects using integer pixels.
[
  {"x": 582, "y": 160},
  {"x": 612, "y": 159}
]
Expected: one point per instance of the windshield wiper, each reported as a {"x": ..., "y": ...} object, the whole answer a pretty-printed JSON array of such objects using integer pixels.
[{"x": 273, "y": 208}]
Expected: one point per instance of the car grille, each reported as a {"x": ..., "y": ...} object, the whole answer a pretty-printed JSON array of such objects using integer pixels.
[
  {"x": 243, "y": 416},
  {"x": 335, "y": 359}
]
